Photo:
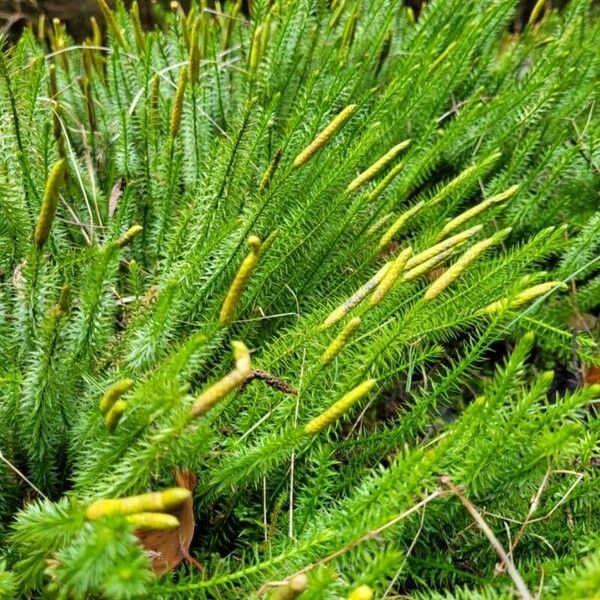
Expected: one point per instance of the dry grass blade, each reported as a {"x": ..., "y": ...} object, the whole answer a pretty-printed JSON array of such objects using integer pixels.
[{"x": 489, "y": 534}]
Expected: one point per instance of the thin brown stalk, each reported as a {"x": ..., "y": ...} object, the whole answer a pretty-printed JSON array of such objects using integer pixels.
[
  {"x": 369, "y": 535},
  {"x": 23, "y": 477},
  {"x": 533, "y": 506},
  {"x": 489, "y": 534}
]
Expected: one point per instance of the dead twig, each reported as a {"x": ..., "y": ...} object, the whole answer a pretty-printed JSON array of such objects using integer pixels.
[
  {"x": 533, "y": 506},
  {"x": 407, "y": 554},
  {"x": 489, "y": 534},
  {"x": 369, "y": 535},
  {"x": 271, "y": 381},
  {"x": 23, "y": 477}
]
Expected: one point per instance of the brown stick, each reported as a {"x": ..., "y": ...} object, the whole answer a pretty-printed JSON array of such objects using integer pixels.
[
  {"x": 533, "y": 505},
  {"x": 272, "y": 381},
  {"x": 489, "y": 534},
  {"x": 369, "y": 535}
]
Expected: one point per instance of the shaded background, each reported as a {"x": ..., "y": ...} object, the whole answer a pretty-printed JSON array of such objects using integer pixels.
[{"x": 15, "y": 14}]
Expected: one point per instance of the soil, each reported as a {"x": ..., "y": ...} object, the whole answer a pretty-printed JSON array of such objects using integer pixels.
[{"x": 15, "y": 14}]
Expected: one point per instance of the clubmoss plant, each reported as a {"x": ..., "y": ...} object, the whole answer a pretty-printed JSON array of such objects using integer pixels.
[{"x": 242, "y": 171}]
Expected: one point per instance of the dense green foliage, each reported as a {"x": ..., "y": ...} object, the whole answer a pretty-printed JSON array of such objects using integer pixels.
[{"x": 195, "y": 133}]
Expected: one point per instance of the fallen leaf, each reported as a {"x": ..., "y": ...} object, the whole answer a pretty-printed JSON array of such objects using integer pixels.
[
  {"x": 582, "y": 322},
  {"x": 115, "y": 195},
  {"x": 591, "y": 374},
  {"x": 166, "y": 549}
]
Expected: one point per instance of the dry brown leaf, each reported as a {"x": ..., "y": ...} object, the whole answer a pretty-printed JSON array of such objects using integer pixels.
[
  {"x": 166, "y": 549},
  {"x": 591, "y": 374},
  {"x": 582, "y": 322},
  {"x": 115, "y": 195}
]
